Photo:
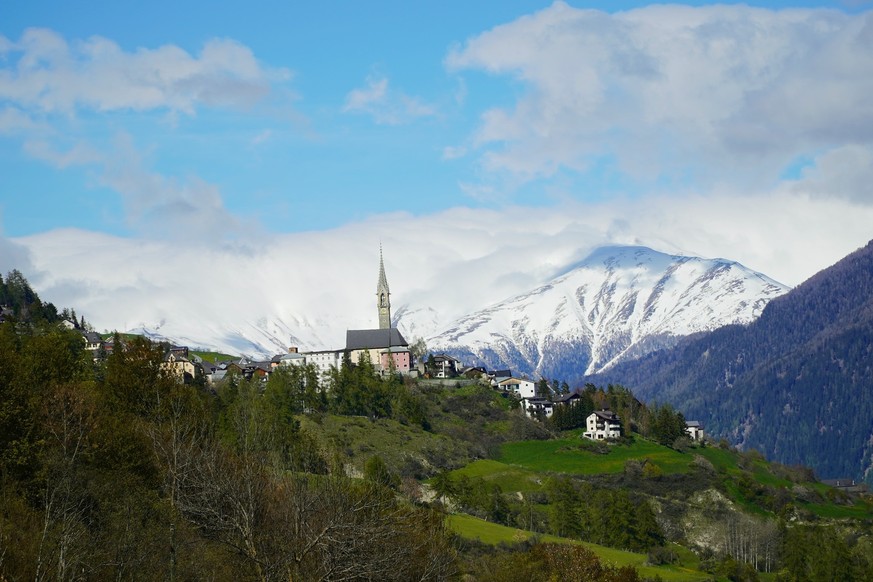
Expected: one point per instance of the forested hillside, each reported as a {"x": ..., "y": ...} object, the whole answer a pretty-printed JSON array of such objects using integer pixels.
[
  {"x": 117, "y": 470},
  {"x": 795, "y": 384},
  {"x": 18, "y": 301}
]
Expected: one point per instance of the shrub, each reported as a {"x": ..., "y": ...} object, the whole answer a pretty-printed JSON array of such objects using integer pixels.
[
  {"x": 660, "y": 555},
  {"x": 652, "y": 471}
]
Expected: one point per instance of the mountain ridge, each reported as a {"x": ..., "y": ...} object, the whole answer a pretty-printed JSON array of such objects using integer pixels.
[
  {"x": 621, "y": 301},
  {"x": 792, "y": 384}
]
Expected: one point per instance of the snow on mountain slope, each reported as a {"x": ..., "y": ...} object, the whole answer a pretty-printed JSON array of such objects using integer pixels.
[{"x": 620, "y": 302}]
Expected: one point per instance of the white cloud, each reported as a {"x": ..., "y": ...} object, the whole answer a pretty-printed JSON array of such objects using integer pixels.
[
  {"x": 672, "y": 92},
  {"x": 386, "y": 106},
  {"x": 262, "y": 137},
  {"x": 14, "y": 256},
  {"x": 845, "y": 173},
  {"x": 79, "y": 154},
  {"x": 51, "y": 75},
  {"x": 453, "y": 152},
  {"x": 371, "y": 95},
  {"x": 455, "y": 261},
  {"x": 13, "y": 121},
  {"x": 166, "y": 207},
  {"x": 155, "y": 206}
]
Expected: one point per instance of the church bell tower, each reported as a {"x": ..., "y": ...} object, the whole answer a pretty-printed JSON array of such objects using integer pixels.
[{"x": 383, "y": 296}]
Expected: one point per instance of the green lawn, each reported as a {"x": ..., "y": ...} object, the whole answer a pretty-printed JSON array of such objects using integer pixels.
[
  {"x": 722, "y": 459},
  {"x": 491, "y": 533},
  {"x": 858, "y": 511},
  {"x": 213, "y": 357},
  {"x": 566, "y": 456},
  {"x": 508, "y": 477}
]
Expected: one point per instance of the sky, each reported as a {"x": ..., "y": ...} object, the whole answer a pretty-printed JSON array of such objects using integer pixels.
[{"x": 266, "y": 149}]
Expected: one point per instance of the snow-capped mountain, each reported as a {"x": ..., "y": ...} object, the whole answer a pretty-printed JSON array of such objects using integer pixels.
[{"x": 619, "y": 303}]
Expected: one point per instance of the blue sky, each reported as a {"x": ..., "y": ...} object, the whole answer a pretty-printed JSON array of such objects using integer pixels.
[
  {"x": 743, "y": 131},
  {"x": 299, "y": 155}
]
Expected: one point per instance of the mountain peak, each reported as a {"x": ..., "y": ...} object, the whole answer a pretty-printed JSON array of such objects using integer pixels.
[{"x": 619, "y": 302}]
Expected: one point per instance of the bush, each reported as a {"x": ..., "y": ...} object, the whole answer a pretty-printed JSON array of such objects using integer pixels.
[
  {"x": 597, "y": 447},
  {"x": 660, "y": 555},
  {"x": 682, "y": 444},
  {"x": 377, "y": 471},
  {"x": 652, "y": 471},
  {"x": 633, "y": 468},
  {"x": 703, "y": 463}
]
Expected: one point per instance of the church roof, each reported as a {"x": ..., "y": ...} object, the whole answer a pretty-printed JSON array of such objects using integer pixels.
[
  {"x": 383, "y": 280},
  {"x": 365, "y": 339}
]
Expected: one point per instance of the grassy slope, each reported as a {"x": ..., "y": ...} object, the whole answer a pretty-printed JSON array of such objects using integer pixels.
[
  {"x": 469, "y": 413},
  {"x": 214, "y": 357},
  {"x": 566, "y": 456},
  {"x": 520, "y": 463},
  {"x": 359, "y": 438},
  {"x": 491, "y": 533}
]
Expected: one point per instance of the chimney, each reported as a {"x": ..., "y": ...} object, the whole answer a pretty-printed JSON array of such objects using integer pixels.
[{"x": 292, "y": 350}]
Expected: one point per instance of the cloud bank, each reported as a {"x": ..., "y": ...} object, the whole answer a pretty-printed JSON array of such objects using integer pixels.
[
  {"x": 453, "y": 262},
  {"x": 673, "y": 95},
  {"x": 49, "y": 75}
]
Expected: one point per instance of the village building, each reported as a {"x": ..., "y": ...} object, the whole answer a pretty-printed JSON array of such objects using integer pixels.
[
  {"x": 846, "y": 485},
  {"x": 324, "y": 360},
  {"x": 443, "y": 366},
  {"x": 694, "y": 430},
  {"x": 385, "y": 347},
  {"x": 498, "y": 376},
  {"x": 537, "y": 407},
  {"x": 292, "y": 358},
  {"x": 93, "y": 344},
  {"x": 179, "y": 366},
  {"x": 381, "y": 346},
  {"x": 519, "y": 386},
  {"x": 601, "y": 425},
  {"x": 474, "y": 373},
  {"x": 568, "y": 399}
]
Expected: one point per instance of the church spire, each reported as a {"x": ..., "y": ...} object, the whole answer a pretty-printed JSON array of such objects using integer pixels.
[{"x": 383, "y": 300}]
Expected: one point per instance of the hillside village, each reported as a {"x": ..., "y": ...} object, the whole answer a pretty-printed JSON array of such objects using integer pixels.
[
  {"x": 388, "y": 352},
  {"x": 447, "y": 440}
]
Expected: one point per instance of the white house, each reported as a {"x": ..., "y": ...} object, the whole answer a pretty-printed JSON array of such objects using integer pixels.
[
  {"x": 292, "y": 358},
  {"x": 324, "y": 360},
  {"x": 694, "y": 430},
  {"x": 537, "y": 406},
  {"x": 601, "y": 425},
  {"x": 524, "y": 388}
]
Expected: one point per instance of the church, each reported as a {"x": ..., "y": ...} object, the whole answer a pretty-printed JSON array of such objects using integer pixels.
[{"x": 385, "y": 345}]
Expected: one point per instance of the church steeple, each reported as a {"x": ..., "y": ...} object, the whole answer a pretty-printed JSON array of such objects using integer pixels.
[{"x": 383, "y": 295}]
